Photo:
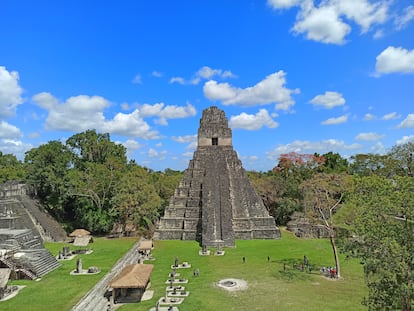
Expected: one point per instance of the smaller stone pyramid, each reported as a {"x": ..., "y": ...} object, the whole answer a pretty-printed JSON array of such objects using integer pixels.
[{"x": 215, "y": 203}]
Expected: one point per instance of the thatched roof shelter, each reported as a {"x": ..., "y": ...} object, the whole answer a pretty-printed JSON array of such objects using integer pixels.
[
  {"x": 4, "y": 277},
  {"x": 79, "y": 232},
  {"x": 133, "y": 276},
  {"x": 145, "y": 245}
]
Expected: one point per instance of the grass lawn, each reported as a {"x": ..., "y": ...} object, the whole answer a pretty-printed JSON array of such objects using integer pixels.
[
  {"x": 58, "y": 290},
  {"x": 269, "y": 286}
]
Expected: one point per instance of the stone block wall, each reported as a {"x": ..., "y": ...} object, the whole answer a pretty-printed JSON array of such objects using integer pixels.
[{"x": 219, "y": 202}]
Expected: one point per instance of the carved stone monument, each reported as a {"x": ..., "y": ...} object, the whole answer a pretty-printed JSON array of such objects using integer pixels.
[{"x": 215, "y": 203}]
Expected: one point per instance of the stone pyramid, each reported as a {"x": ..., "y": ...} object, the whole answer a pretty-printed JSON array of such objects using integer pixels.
[{"x": 215, "y": 203}]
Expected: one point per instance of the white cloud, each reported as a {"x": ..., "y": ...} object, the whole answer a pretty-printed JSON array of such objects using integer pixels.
[
  {"x": 371, "y": 136},
  {"x": 252, "y": 122},
  {"x": 330, "y": 22},
  {"x": 408, "y": 122},
  {"x": 207, "y": 73},
  {"x": 363, "y": 12},
  {"x": 188, "y": 154},
  {"x": 369, "y": 117},
  {"x": 378, "y": 148},
  {"x": 204, "y": 73},
  {"x": 15, "y": 147},
  {"x": 395, "y": 60},
  {"x": 338, "y": 120},
  {"x": 130, "y": 125},
  {"x": 283, "y": 4},
  {"x": 329, "y": 100},
  {"x": 125, "y": 106},
  {"x": 403, "y": 20},
  {"x": 80, "y": 113},
  {"x": 304, "y": 146},
  {"x": 391, "y": 116},
  {"x": 191, "y": 140},
  {"x": 270, "y": 90},
  {"x": 131, "y": 145},
  {"x": 137, "y": 79},
  {"x": 157, "y": 74},
  {"x": 167, "y": 112},
  {"x": 178, "y": 80},
  {"x": 322, "y": 24},
  {"x": 405, "y": 139},
  {"x": 152, "y": 153},
  {"x": 378, "y": 34},
  {"x": 184, "y": 139},
  {"x": 10, "y": 92},
  {"x": 9, "y": 131}
]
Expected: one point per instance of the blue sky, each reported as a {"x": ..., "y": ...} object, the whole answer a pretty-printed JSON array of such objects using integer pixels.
[{"x": 291, "y": 75}]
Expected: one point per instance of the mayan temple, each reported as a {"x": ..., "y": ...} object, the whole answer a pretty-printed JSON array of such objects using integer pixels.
[{"x": 215, "y": 203}]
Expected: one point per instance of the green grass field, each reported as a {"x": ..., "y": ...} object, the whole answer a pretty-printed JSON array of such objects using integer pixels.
[
  {"x": 269, "y": 286},
  {"x": 58, "y": 290}
]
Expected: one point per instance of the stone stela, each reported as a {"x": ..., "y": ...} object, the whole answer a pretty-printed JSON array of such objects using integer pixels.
[{"x": 215, "y": 202}]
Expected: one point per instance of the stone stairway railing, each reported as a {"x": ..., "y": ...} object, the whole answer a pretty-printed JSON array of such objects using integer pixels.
[{"x": 95, "y": 299}]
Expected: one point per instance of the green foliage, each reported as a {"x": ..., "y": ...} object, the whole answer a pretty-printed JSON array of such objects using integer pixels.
[
  {"x": 334, "y": 163},
  {"x": 165, "y": 184},
  {"x": 90, "y": 146},
  {"x": 280, "y": 194},
  {"x": 384, "y": 226},
  {"x": 136, "y": 201},
  {"x": 10, "y": 168},
  {"x": 81, "y": 181},
  {"x": 323, "y": 197},
  {"x": 46, "y": 168}
]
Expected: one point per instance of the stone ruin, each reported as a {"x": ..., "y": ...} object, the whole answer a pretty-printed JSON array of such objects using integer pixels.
[
  {"x": 23, "y": 228},
  {"x": 215, "y": 202}
]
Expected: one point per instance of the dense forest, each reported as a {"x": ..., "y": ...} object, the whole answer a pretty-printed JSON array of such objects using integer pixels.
[{"x": 89, "y": 182}]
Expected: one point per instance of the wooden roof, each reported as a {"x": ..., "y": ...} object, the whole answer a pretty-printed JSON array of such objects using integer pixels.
[
  {"x": 145, "y": 245},
  {"x": 4, "y": 276},
  {"x": 133, "y": 276},
  {"x": 82, "y": 240},
  {"x": 79, "y": 232}
]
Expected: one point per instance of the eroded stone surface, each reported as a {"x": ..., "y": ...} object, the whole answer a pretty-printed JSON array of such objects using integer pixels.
[{"x": 215, "y": 203}]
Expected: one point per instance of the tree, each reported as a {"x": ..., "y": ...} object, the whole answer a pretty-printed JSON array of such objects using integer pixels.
[
  {"x": 90, "y": 146},
  {"x": 384, "y": 228},
  {"x": 165, "y": 184},
  {"x": 279, "y": 194},
  {"x": 136, "y": 201},
  {"x": 46, "y": 168},
  {"x": 334, "y": 163},
  {"x": 403, "y": 158},
  {"x": 10, "y": 168},
  {"x": 368, "y": 164},
  {"x": 94, "y": 187},
  {"x": 323, "y": 196},
  {"x": 297, "y": 163}
]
